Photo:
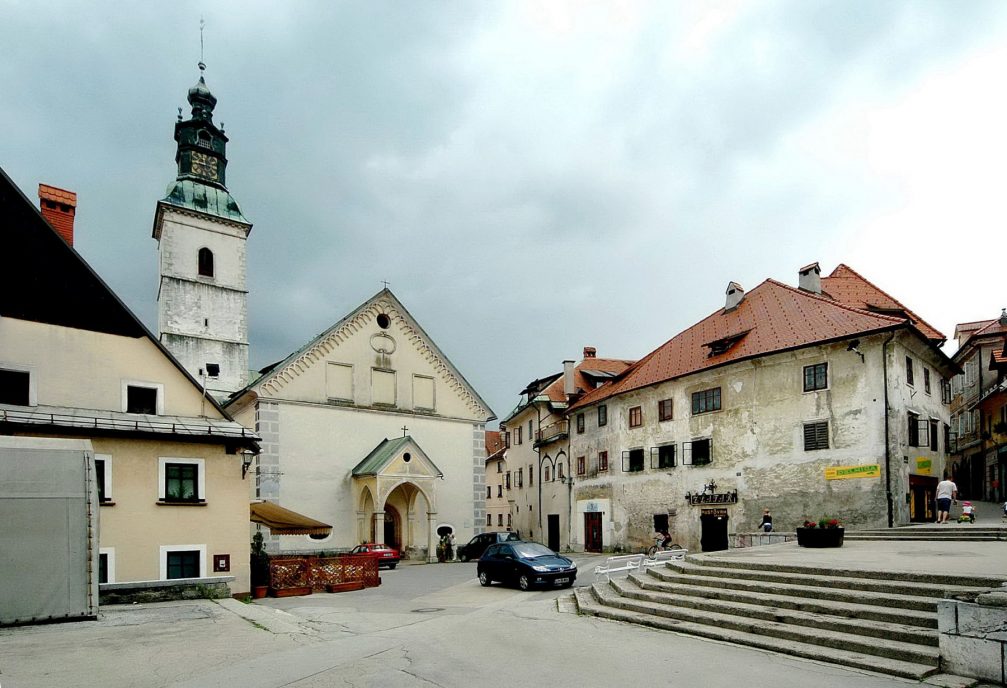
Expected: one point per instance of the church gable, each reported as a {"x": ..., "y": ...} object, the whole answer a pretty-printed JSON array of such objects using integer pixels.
[
  {"x": 376, "y": 357},
  {"x": 398, "y": 458}
]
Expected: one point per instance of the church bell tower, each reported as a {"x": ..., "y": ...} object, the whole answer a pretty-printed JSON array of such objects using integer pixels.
[{"x": 202, "y": 310}]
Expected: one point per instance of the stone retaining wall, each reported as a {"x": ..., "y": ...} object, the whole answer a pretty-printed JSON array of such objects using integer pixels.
[
  {"x": 973, "y": 635},
  {"x": 214, "y": 588}
]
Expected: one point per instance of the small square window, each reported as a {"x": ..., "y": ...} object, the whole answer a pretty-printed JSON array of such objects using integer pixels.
[
  {"x": 636, "y": 417},
  {"x": 141, "y": 400},
  {"x": 489, "y": 491},
  {"x": 517, "y": 434},
  {"x": 15, "y": 387},
  {"x": 663, "y": 457},
  {"x": 697, "y": 452},
  {"x": 180, "y": 482},
  {"x": 489, "y": 519},
  {"x": 602, "y": 461},
  {"x": 816, "y": 377},
  {"x": 183, "y": 564},
  {"x": 664, "y": 409},
  {"x": 632, "y": 461},
  {"x": 926, "y": 380},
  {"x": 602, "y": 416},
  {"x": 909, "y": 372},
  {"x": 706, "y": 401},
  {"x": 580, "y": 422},
  {"x": 581, "y": 465},
  {"x": 500, "y": 520},
  {"x": 816, "y": 435}
]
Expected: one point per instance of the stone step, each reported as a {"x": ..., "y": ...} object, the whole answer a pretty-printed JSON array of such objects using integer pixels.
[
  {"x": 764, "y": 610},
  {"x": 957, "y": 537},
  {"x": 965, "y": 580},
  {"x": 588, "y": 604},
  {"x": 914, "y": 624},
  {"x": 821, "y": 581},
  {"x": 669, "y": 574},
  {"x": 841, "y": 639}
]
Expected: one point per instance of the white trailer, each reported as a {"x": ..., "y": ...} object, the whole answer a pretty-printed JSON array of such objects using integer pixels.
[{"x": 48, "y": 530}]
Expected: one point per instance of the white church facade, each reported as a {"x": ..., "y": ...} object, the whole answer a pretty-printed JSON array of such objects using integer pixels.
[{"x": 370, "y": 428}]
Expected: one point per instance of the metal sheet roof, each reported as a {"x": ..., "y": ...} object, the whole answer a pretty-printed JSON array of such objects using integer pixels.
[{"x": 203, "y": 198}]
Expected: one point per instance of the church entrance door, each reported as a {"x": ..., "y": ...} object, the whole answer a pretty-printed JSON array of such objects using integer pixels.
[{"x": 393, "y": 528}]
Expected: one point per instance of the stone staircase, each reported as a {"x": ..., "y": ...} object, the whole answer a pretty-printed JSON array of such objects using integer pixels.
[
  {"x": 873, "y": 620},
  {"x": 953, "y": 531}
]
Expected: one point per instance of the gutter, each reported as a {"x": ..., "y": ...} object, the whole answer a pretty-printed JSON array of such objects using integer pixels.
[{"x": 888, "y": 451}]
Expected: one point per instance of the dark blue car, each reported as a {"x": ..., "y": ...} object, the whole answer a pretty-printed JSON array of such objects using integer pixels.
[{"x": 527, "y": 564}]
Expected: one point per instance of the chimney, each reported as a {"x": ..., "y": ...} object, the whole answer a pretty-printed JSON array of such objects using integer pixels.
[
  {"x": 58, "y": 208},
  {"x": 1003, "y": 317},
  {"x": 568, "y": 386},
  {"x": 735, "y": 294},
  {"x": 809, "y": 278},
  {"x": 590, "y": 352}
]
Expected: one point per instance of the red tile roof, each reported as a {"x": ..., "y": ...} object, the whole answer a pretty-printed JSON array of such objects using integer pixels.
[
  {"x": 850, "y": 288},
  {"x": 581, "y": 383},
  {"x": 494, "y": 442},
  {"x": 772, "y": 317},
  {"x": 993, "y": 327}
]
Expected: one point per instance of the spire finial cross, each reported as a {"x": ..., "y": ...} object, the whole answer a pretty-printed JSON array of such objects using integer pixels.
[
  {"x": 386, "y": 283},
  {"x": 202, "y": 65},
  {"x": 404, "y": 430}
]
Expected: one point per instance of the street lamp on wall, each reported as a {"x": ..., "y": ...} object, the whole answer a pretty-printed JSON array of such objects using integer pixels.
[{"x": 246, "y": 461}]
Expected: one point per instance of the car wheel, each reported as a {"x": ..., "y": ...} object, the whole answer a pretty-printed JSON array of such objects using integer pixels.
[
  {"x": 392, "y": 566},
  {"x": 484, "y": 579},
  {"x": 524, "y": 582},
  {"x": 463, "y": 556}
]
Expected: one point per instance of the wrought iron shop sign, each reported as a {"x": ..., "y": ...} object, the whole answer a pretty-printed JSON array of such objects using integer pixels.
[{"x": 713, "y": 498}]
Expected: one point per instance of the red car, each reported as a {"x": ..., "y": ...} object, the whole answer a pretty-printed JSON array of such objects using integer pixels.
[{"x": 385, "y": 555}]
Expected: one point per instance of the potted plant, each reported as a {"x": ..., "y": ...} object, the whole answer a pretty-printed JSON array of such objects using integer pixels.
[
  {"x": 826, "y": 532},
  {"x": 259, "y": 568}
]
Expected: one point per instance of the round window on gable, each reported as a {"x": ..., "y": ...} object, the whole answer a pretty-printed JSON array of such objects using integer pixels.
[
  {"x": 384, "y": 321},
  {"x": 407, "y": 457}
]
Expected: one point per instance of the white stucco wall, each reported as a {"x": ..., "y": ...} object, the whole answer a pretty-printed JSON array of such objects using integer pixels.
[{"x": 204, "y": 319}]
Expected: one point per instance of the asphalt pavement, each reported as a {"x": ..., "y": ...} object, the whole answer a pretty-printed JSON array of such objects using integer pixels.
[{"x": 426, "y": 625}]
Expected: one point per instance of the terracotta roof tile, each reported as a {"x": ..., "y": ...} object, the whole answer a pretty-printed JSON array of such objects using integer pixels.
[
  {"x": 494, "y": 442},
  {"x": 991, "y": 328},
  {"x": 850, "y": 288},
  {"x": 580, "y": 382},
  {"x": 52, "y": 193},
  {"x": 772, "y": 317}
]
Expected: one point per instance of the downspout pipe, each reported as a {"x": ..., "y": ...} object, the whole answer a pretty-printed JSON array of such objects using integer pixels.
[{"x": 888, "y": 449}]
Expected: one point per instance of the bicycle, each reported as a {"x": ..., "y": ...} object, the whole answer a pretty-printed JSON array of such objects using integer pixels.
[{"x": 658, "y": 547}]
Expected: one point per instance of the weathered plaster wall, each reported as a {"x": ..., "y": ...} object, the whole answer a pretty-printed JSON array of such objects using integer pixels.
[
  {"x": 757, "y": 445},
  {"x": 204, "y": 319}
]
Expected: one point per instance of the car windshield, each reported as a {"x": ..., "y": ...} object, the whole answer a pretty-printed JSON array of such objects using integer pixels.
[{"x": 530, "y": 550}]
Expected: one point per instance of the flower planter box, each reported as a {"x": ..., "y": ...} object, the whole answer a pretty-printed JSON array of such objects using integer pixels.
[
  {"x": 290, "y": 592},
  {"x": 345, "y": 587},
  {"x": 259, "y": 592},
  {"x": 820, "y": 537}
]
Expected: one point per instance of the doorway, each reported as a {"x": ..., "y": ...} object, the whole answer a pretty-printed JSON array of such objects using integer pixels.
[
  {"x": 592, "y": 532},
  {"x": 392, "y": 528},
  {"x": 922, "y": 498},
  {"x": 714, "y": 524},
  {"x": 553, "y": 537}
]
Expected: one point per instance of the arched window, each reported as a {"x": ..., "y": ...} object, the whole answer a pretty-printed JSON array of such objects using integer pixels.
[
  {"x": 559, "y": 471},
  {"x": 547, "y": 474},
  {"x": 206, "y": 262}
]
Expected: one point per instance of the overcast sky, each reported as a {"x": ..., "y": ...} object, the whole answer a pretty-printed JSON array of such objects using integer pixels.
[{"x": 532, "y": 177}]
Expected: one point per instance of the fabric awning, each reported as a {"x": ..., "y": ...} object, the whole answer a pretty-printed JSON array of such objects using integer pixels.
[{"x": 281, "y": 521}]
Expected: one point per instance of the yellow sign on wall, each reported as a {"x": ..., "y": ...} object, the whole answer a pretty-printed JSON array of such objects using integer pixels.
[
  {"x": 871, "y": 470},
  {"x": 924, "y": 466}
]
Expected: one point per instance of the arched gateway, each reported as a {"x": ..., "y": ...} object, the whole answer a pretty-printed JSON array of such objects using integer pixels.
[{"x": 394, "y": 490}]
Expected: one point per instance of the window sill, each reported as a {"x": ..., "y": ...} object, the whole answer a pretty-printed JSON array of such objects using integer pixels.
[
  {"x": 165, "y": 502},
  {"x": 106, "y": 502}
]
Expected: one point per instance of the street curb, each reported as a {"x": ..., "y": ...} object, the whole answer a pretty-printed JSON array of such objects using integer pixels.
[{"x": 275, "y": 621}]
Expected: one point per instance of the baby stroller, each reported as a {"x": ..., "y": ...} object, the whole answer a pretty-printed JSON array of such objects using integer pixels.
[{"x": 968, "y": 513}]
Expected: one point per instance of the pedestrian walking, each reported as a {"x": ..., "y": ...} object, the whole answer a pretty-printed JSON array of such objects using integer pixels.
[
  {"x": 767, "y": 521},
  {"x": 947, "y": 492}
]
